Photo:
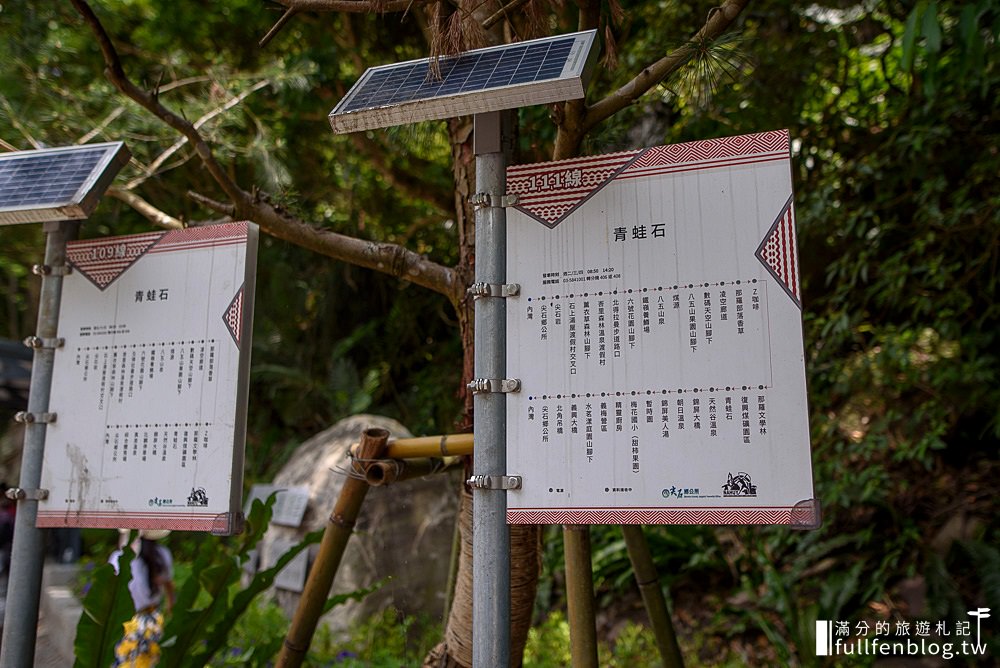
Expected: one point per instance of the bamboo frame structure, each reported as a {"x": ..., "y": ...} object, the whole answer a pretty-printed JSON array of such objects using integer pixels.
[
  {"x": 445, "y": 445},
  {"x": 387, "y": 471},
  {"x": 376, "y": 462},
  {"x": 338, "y": 531}
]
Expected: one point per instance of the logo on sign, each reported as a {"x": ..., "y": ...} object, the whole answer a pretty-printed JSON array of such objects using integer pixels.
[
  {"x": 198, "y": 497},
  {"x": 739, "y": 485}
]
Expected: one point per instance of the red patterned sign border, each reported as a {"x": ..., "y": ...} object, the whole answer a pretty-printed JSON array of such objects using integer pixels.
[
  {"x": 233, "y": 317},
  {"x": 176, "y": 521},
  {"x": 550, "y": 191},
  {"x": 103, "y": 260},
  {"x": 202, "y": 237},
  {"x": 742, "y": 516},
  {"x": 779, "y": 254}
]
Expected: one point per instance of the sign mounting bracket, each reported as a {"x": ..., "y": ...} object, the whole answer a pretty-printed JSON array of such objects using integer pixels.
[
  {"x": 498, "y": 482},
  {"x": 477, "y": 290},
  {"x": 490, "y": 385}
]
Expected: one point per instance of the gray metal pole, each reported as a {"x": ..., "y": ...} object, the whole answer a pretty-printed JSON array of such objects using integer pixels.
[
  {"x": 490, "y": 534},
  {"x": 27, "y": 552}
]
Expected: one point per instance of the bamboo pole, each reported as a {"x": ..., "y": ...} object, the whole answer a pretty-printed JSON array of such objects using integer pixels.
[
  {"x": 446, "y": 445},
  {"x": 338, "y": 530},
  {"x": 580, "y": 596},
  {"x": 387, "y": 471},
  {"x": 652, "y": 595}
]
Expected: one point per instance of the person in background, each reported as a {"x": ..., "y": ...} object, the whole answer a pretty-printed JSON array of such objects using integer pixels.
[{"x": 151, "y": 586}]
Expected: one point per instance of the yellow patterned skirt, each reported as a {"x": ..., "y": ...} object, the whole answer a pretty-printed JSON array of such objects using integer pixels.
[{"x": 140, "y": 648}]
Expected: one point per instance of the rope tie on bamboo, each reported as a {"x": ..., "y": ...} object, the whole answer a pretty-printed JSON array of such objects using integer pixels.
[
  {"x": 348, "y": 472},
  {"x": 358, "y": 467},
  {"x": 298, "y": 648},
  {"x": 341, "y": 521},
  {"x": 444, "y": 445}
]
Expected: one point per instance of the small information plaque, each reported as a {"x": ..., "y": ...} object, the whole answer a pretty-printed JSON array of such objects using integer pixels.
[
  {"x": 290, "y": 503},
  {"x": 293, "y": 576}
]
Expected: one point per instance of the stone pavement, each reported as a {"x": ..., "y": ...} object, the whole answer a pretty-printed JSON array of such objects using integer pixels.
[{"x": 58, "y": 614}]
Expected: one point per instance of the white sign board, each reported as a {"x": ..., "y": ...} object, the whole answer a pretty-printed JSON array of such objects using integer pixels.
[
  {"x": 658, "y": 339},
  {"x": 150, "y": 388}
]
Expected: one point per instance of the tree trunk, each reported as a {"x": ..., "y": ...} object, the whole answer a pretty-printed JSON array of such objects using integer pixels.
[
  {"x": 456, "y": 649},
  {"x": 525, "y": 565}
]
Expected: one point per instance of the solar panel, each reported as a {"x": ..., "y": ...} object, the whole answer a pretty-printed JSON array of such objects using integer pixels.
[
  {"x": 551, "y": 69},
  {"x": 57, "y": 183}
]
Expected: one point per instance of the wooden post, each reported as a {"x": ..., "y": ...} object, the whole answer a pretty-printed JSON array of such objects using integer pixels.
[
  {"x": 580, "y": 596},
  {"x": 339, "y": 527},
  {"x": 652, "y": 595}
]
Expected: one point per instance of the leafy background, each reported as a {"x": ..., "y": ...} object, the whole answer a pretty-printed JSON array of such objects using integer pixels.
[{"x": 893, "y": 111}]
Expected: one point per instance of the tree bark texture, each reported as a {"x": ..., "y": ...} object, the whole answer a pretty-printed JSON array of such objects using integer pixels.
[{"x": 525, "y": 566}]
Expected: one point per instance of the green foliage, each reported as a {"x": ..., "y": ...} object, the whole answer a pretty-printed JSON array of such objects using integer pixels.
[
  {"x": 210, "y": 601},
  {"x": 256, "y": 637},
  {"x": 107, "y": 605},
  {"x": 388, "y": 639},
  {"x": 320, "y": 349},
  {"x": 548, "y": 643},
  {"x": 549, "y": 646}
]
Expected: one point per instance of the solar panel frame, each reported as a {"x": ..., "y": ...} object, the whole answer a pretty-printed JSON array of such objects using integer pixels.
[
  {"x": 53, "y": 184},
  {"x": 497, "y": 78}
]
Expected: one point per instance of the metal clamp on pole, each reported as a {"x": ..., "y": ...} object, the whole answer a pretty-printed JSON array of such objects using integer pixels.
[
  {"x": 47, "y": 270},
  {"x": 494, "y": 482},
  {"x": 24, "y": 417},
  {"x": 39, "y": 342},
  {"x": 19, "y": 494},
  {"x": 486, "y": 385},
  {"x": 487, "y": 200},
  {"x": 478, "y": 290}
]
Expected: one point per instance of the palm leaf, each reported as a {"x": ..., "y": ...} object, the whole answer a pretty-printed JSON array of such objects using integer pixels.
[{"x": 106, "y": 607}]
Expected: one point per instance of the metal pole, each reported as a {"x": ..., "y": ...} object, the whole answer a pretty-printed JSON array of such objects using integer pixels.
[
  {"x": 490, "y": 534},
  {"x": 27, "y": 552}
]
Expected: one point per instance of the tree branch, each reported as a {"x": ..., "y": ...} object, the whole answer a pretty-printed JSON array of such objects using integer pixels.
[
  {"x": 153, "y": 214},
  {"x": 177, "y": 145},
  {"x": 719, "y": 20},
  {"x": 571, "y": 113},
  {"x": 355, "y": 6},
  {"x": 17, "y": 124},
  {"x": 115, "y": 113},
  {"x": 502, "y": 12},
  {"x": 387, "y": 258},
  {"x": 151, "y": 103},
  {"x": 276, "y": 28}
]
